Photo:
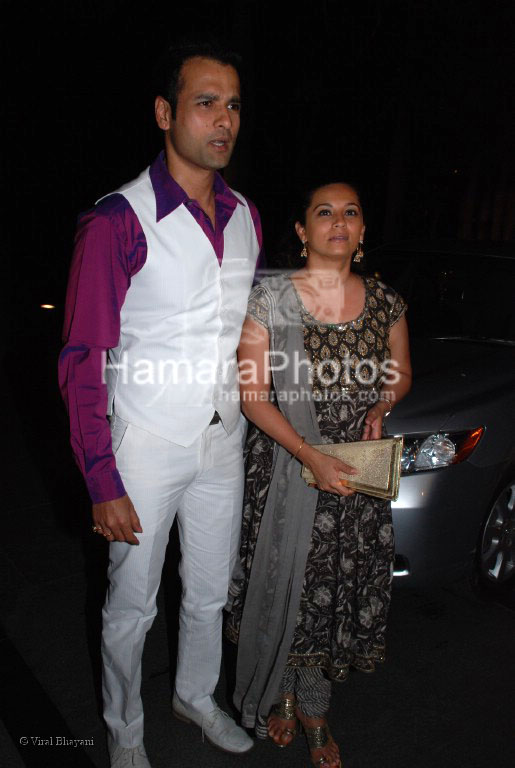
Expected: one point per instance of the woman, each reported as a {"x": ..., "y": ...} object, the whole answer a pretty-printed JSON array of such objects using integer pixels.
[{"x": 312, "y": 594}]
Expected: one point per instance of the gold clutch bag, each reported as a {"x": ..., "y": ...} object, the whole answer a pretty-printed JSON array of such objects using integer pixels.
[{"x": 378, "y": 463}]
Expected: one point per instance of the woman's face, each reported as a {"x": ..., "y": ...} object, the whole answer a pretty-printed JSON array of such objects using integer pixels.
[{"x": 334, "y": 223}]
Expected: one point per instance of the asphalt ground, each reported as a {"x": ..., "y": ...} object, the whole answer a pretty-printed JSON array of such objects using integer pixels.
[{"x": 444, "y": 699}]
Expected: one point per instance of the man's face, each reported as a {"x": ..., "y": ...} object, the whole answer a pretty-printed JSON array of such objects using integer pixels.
[{"x": 207, "y": 118}]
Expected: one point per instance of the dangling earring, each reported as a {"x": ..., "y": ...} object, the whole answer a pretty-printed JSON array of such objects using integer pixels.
[
  {"x": 304, "y": 252},
  {"x": 359, "y": 252}
]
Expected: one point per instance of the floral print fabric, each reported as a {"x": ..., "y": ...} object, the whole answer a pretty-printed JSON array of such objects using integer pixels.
[{"x": 343, "y": 609}]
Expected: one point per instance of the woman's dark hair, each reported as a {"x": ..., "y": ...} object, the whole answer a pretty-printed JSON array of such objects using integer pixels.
[
  {"x": 289, "y": 245},
  {"x": 167, "y": 72}
]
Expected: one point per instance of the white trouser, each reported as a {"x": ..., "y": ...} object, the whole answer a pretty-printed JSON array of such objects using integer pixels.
[{"x": 203, "y": 484}]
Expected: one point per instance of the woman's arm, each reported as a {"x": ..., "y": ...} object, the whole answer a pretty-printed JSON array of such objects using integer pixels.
[
  {"x": 255, "y": 380},
  {"x": 397, "y": 383}
]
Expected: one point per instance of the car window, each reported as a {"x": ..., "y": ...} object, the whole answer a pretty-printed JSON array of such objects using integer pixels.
[{"x": 451, "y": 295}]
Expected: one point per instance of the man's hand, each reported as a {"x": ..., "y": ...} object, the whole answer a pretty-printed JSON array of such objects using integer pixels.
[{"x": 117, "y": 520}]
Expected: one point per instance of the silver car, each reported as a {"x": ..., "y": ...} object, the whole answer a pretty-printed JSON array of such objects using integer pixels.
[{"x": 456, "y": 507}]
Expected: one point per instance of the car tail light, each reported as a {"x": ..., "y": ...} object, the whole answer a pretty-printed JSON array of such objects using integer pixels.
[{"x": 439, "y": 449}]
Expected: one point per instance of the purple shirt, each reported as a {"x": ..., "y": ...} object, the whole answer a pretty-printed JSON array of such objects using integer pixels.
[{"x": 110, "y": 247}]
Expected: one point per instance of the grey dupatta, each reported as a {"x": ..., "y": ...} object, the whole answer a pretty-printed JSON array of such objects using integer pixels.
[{"x": 275, "y": 585}]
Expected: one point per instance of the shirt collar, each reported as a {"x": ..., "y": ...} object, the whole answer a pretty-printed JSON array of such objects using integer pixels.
[{"x": 170, "y": 195}]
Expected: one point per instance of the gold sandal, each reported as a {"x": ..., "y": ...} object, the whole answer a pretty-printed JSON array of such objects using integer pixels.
[
  {"x": 318, "y": 737},
  {"x": 285, "y": 710}
]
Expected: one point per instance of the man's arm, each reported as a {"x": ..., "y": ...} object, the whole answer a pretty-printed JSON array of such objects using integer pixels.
[{"x": 109, "y": 248}]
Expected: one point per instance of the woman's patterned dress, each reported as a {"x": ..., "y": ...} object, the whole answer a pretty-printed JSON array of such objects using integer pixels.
[{"x": 346, "y": 594}]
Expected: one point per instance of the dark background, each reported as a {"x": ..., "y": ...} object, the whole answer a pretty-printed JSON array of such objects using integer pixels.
[{"x": 409, "y": 99}]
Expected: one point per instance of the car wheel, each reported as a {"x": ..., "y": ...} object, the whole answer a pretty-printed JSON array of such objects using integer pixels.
[{"x": 496, "y": 552}]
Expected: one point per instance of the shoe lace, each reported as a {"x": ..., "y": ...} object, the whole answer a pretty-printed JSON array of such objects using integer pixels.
[
  {"x": 135, "y": 753},
  {"x": 213, "y": 716},
  {"x": 128, "y": 756}
]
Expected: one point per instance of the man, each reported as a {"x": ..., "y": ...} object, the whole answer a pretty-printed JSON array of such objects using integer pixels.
[{"x": 160, "y": 279}]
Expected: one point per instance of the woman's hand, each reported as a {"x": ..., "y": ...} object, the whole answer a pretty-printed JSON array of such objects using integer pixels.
[
  {"x": 373, "y": 428},
  {"x": 327, "y": 471}
]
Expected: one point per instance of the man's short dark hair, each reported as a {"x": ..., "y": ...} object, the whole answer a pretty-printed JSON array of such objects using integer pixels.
[{"x": 168, "y": 71}]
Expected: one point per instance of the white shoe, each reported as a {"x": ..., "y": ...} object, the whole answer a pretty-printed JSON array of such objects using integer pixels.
[
  {"x": 217, "y": 727},
  {"x": 127, "y": 757}
]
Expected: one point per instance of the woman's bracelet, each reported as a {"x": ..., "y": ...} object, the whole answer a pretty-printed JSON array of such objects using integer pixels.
[
  {"x": 300, "y": 446},
  {"x": 386, "y": 400}
]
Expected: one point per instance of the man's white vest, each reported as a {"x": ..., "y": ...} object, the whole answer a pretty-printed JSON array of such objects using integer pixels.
[{"x": 181, "y": 321}]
